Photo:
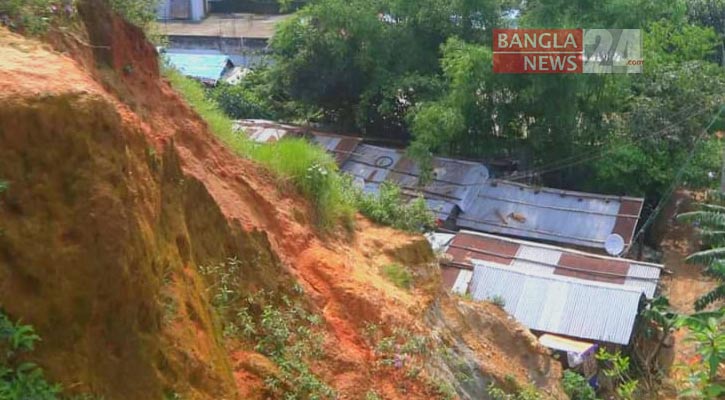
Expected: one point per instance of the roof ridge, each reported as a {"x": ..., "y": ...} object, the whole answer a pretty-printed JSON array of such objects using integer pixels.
[
  {"x": 557, "y": 248},
  {"x": 569, "y": 192},
  {"x": 573, "y": 280}
]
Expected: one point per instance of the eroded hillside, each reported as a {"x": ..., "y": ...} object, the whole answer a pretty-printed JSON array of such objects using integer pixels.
[{"x": 125, "y": 218}]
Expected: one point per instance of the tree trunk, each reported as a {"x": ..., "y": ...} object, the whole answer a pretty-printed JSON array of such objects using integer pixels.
[{"x": 653, "y": 356}]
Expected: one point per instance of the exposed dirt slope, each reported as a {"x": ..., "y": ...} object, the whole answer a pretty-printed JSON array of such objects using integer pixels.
[
  {"x": 119, "y": 193},
  {"x": 682, "y": 287}
]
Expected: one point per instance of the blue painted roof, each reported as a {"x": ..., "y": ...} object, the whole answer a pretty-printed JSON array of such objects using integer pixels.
[{"x": 201, "y": 66}]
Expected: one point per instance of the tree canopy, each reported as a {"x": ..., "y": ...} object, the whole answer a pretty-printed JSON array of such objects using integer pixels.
[{"x": 419, "y": 72}]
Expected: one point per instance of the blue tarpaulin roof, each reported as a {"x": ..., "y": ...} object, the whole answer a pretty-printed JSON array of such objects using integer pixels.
[{"x": 202, "y": 66}]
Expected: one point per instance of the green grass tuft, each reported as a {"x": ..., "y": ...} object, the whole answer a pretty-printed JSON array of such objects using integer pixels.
[
  {"x": 399, "y": 275},
  {"x": 312, "y": 171}
]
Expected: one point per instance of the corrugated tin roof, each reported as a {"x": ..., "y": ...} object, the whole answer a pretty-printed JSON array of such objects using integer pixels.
[
  {"x": 207, "y": 67},
  {"x": 554, "y": 215},
  {"x": 561, "y": 305},
  {"x": 454, "y": 182},
  {"x": 544, "y": 259}
]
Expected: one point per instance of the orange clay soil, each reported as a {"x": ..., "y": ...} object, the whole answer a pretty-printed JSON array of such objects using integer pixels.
[{"x": 119, "y": 192}]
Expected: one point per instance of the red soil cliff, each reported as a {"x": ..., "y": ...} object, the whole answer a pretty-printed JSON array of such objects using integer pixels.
[{"x": 119, "y": 193}]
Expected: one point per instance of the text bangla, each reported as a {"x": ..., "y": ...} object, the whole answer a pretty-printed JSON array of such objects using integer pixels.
[{"x": 532, "y": 41}]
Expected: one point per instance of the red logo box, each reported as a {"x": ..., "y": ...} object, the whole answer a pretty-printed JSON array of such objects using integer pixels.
[{"x": 538, "y": 51}]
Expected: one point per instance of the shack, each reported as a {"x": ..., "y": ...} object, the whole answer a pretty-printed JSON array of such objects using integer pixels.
[
  {"x": 564, "y": 217},
  {"x": 550, "y": 289}
]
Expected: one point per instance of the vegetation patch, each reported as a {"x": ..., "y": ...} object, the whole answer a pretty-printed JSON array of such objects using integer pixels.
[
  {"x": 398, "y": 275},
  {"x": 577, "y": 387},
  {"x": 275, "y": 325},
  {"x": 21, "y": 379},
  {"x": 33, "y": 16},
  {"x": 390, "y": 207}
]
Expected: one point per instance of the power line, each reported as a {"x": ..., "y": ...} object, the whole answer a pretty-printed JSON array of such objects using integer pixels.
[
  {"x": 678, "y": 177},
  {"x": 565, "y": 162},
  {"x": 582, "y": 158},
  {"x": 574, "y": 157}
]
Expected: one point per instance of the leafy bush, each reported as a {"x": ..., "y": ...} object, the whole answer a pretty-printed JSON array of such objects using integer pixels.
[
  {"x": 21, "y": 380},
  {"x": 389, "y": 207},
  {"x": 398, "y": 274},
  {"x": 240, "y": 101},
  {"x": 372, "y": 395},
  {"x": 32, "y": 16},
  {"x": 577, "y": 387},
  {"x": 138, "y": 12},
  {"x": 616, "y": 367}
]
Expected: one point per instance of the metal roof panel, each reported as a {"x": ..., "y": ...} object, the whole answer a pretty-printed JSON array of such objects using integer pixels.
[{"x": 561, "y": 305}]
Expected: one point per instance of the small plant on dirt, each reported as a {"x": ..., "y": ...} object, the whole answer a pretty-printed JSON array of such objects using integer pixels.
[
  {"x": 170, "y": 307},
  {"x": 617, "y": 368},
  {"x": 225, "y": 279},
  {"x": 465, "y": 296},
  {"x": 372, "y": 395},
  {"x": 445, "y": 390},
  {"x": 398, "y": 275},
  {"x": 577, "y": 387},
  {"x": 172, "y": 395},
  {"x": 21, "y": 380},
  {"x": 401, "y": 349},
  {"x": 498, "y": 300},
  {"x": 457, "y": 363},
  {"x": 527, "y": 393}
]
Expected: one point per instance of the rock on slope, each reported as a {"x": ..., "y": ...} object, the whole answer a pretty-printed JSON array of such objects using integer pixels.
[{"x": 119, "y": 194}]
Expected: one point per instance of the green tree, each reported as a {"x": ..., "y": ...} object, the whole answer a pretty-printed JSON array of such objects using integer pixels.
[
  {"x": 366, "y": 63},
  {"x": 710, "y": 13}
]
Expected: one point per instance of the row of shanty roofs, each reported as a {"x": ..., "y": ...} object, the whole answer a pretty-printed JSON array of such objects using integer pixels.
[
  {"x": 548, "y": 289},
  {"x": 462, "y": 193}
]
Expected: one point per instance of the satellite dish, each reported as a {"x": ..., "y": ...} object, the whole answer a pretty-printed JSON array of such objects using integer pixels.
[{"x": 614, "y": 244}]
